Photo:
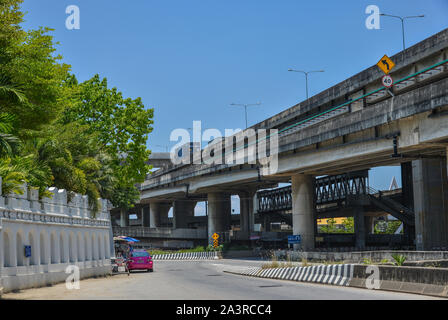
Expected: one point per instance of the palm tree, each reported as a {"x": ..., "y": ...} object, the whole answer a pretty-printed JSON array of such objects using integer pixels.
[
  {"x": 10, "y": 90},
  {"x": 11, "y": 93},
  {"x": 7, "y": 141},
  {"x": 13, "y": 176}
]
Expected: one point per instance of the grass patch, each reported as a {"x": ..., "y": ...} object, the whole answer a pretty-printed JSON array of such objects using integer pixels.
[
  {"x": 305, "y": 262},
  {"x": 399, "y": 259},
  {"x": 274, "y": 263}
]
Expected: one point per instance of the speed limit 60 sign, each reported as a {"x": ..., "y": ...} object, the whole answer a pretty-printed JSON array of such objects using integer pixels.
[{"x": 387, "y": 81}]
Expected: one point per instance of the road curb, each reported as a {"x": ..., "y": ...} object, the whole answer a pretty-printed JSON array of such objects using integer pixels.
[
  {"x": 338, "y": 274},
  {"x": 416, "y": 280}
]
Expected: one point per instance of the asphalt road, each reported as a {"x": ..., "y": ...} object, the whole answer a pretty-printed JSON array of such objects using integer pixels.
[{"x": 201, "y": 280}]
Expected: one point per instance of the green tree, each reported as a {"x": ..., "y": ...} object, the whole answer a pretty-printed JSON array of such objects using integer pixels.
[
  {"x": 8, "y": 142},
  {"x": 29, "y": 67},
  {"x": 330, "y": 227},
  {"x": 11, "y": 91},
  {"x": 391, "y": 227},
  {"x": 349, "y": 225},
  {"x": 15, "y": 171},
  {"x": 82, "y": 137},
  {"x": 121, "y": 126},
  {"x": 75, "y": 161},
  {"x": 10, "y": 31}
]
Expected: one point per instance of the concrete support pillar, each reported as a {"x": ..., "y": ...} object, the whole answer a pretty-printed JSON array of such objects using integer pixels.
[
  {"x": 219, "y": 213},
  {"x": 407, "y": 185},
  {"x": 407, "y": 188},
  {"x": 183, "y": 209},
  {"x": 144, "y": 211},
  {"x": 164, "y": 209},
  {"x": 154, "y": 215},
  {"x": 430, "y": 203},
  {"x": 156, "y": 212},
  {"x": 124, "y": 218},
  {"x": 303, "y": 210},
  {"x": 360, "y": 228},
  {"x": 255, "y": 210},
  {"x": 369, "y": 223},
  {"x": 246, "y": 212},
  {"x": 266, "y": 223}
]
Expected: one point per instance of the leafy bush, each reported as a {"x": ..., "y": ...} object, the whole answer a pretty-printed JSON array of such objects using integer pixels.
[
  {"x": 399, "y": 259},
  {"x": 212, "y": 248}
]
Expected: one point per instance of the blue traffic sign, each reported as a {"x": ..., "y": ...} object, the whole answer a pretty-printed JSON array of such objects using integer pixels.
[{"x": 294, "y": 239}]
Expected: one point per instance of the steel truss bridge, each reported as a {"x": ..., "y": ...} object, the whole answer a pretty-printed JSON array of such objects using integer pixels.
[{"x": 344, "y": 190}]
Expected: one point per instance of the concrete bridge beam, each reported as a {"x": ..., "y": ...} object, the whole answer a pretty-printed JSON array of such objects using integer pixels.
[
  {"x": 430, "y": 203},
  {"x": 182, "y": 209},
  {"x": 303, "y": 210},
  {"x": 219, "y": 213}
]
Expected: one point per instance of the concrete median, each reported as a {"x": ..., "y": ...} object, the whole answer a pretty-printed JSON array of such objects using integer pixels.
[
  {"x": 417, "y": 280},
  {"x": 338, "y": 274}
]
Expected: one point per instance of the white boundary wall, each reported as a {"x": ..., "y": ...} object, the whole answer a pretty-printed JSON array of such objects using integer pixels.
[{"x": 60, "y": 234}]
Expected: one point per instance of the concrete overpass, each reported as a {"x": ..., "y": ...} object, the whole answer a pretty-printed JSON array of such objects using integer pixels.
[{"x": 355, "y": 125}]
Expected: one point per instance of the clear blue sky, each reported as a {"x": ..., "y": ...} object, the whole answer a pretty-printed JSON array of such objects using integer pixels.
[{"x": 191, "y": 59}]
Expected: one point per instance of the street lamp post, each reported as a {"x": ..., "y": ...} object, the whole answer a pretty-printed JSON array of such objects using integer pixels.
[
  {"x": 245, "y": 107},
  {"x": 402, "y": 23},
  {"x": 306, "y": 73}
]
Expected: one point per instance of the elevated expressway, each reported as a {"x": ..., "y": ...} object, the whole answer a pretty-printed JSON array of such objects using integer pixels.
[{"x": 355, "y": 125}]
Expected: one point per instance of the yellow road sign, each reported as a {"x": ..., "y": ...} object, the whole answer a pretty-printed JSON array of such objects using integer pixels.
[
  {"x": 215, "y": 236},
  {"x": 386, "y": 64}
]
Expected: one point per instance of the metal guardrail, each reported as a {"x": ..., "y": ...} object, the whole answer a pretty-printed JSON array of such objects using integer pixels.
[{"x": 393, "y": 207}]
